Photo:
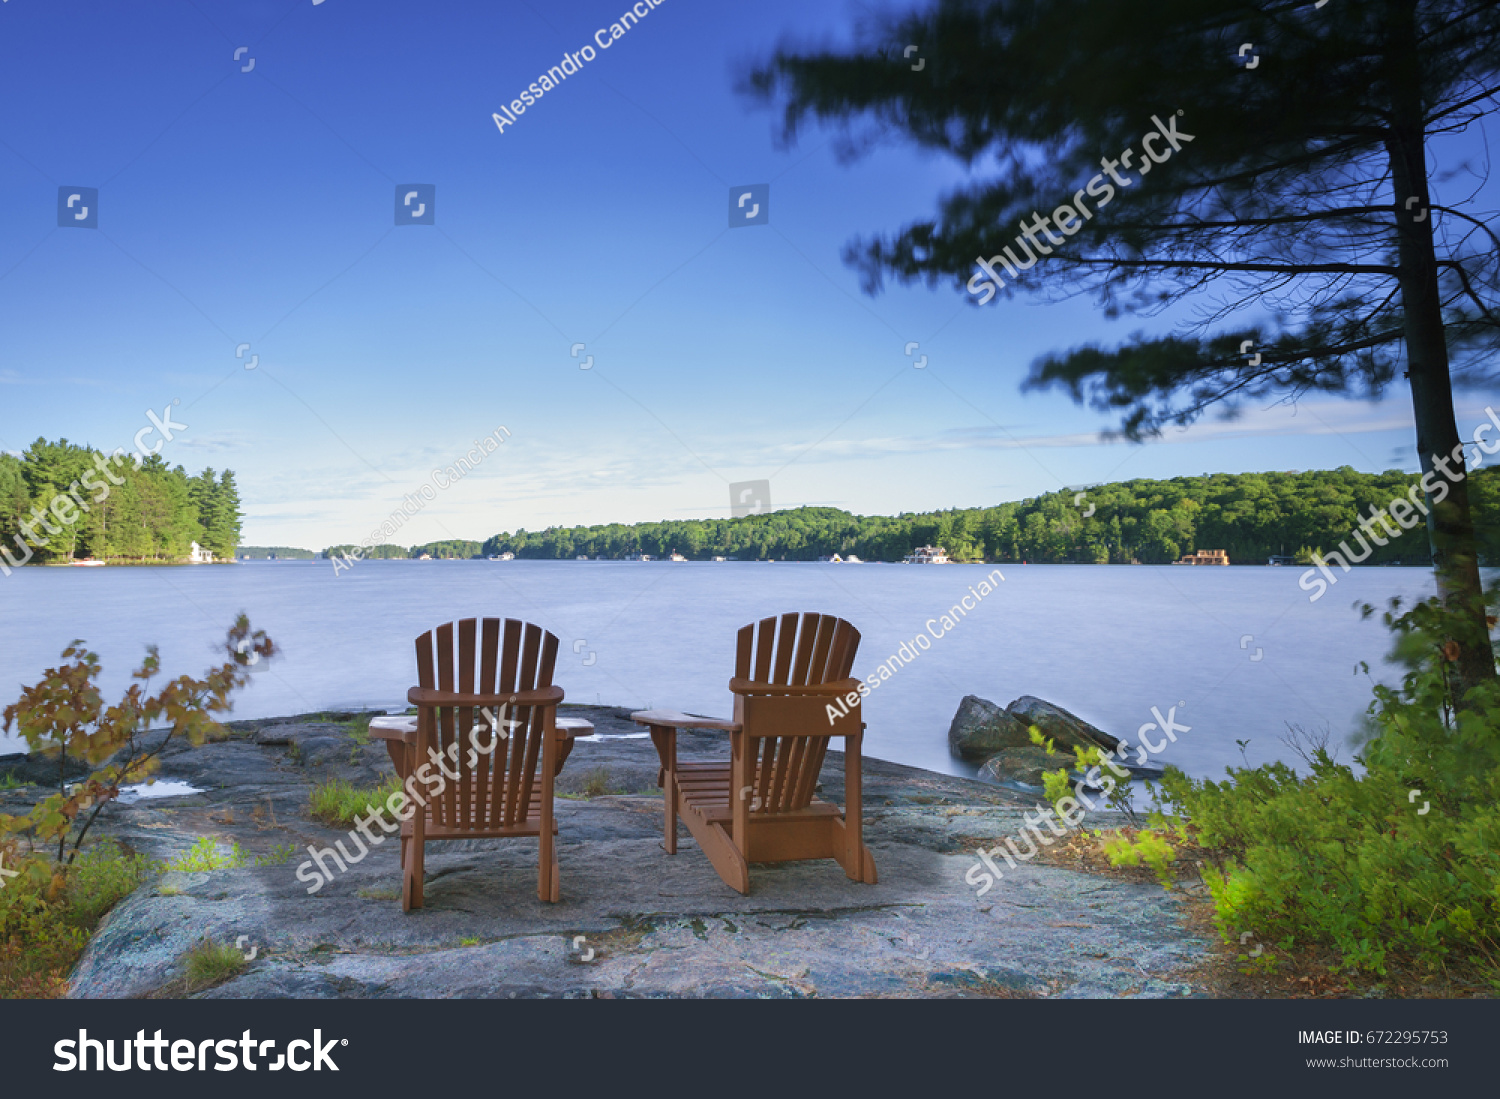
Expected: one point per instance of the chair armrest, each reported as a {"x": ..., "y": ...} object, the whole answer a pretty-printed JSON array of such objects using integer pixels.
[
  {"x": 676, "y": 720},
  {"x": 431, "y": 696},
  {"x": 832, "y": 690},
  {"x": 402, "y": 727},
  {"x": 574, "y": 726}
]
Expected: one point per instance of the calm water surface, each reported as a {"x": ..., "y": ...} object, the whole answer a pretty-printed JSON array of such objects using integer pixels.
[{"x": 1108, "y": 643}]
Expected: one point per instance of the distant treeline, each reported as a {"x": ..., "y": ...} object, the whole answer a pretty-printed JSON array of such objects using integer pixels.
[
  {"x": 110, "y": 509},
  {"x": 284, "y": 553},
  {"x": 453, "y": 549},
  {"x": 1251, "y": 515}
]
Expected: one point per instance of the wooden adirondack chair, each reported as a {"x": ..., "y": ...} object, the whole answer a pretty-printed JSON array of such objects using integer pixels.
[
  {"x": 759, "y": 807},
  {"x": 489, "y": 778}
]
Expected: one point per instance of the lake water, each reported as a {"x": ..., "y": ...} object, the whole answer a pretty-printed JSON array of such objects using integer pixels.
[{"x": 1239, "y": 651}]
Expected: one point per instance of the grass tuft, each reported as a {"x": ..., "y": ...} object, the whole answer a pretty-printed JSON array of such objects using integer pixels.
[
  {"x": 339, "y": 802},
  {"x": 208, "y": 964},
  {"x": 206, "y": 855}
]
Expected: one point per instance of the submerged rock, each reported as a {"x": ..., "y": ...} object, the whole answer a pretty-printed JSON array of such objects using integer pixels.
[
  {"x": 1022, "y": 766},
  {"x": 1068, "y": 730},
  {"x": 980, "y": 729}
]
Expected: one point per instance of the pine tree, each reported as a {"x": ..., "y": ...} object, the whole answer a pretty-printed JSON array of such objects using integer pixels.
[{"x": 1298, "y": 188}]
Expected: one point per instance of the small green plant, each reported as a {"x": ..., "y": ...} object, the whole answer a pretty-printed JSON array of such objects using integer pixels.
[
  {"x": 596, "y": 783},
  {"x": 208, "y": 964},
  {"x": 339, "y": 802},
  {"x": 468, "y": 942},
  {"x": 1057, "y": 785},
  {"x": 279, "y": 855},
  {"x": 205, "y": 856},
  {"x": 1041, "y": 741},
  {"x": 380, "y": 893},
  {"x": 8, "y": 781},
  {"x": 1147, "y": 848}
]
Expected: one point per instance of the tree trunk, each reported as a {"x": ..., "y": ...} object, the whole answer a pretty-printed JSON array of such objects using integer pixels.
[{"x": 1450, "y": 524}]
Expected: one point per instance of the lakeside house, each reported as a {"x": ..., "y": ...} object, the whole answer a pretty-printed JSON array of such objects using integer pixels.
[
  {"x": 927, "y": 555},
  {"x": 200, "y": 556},
  {"x": 504, "y": 557},
  {"x": 834, "y": 560},
  {"x": 1205, "y": 557},
  {"x": 637, "y": 557},
  {"x": 675, "y": 556},
  {"x": 1281, "y": 559},
  {"x": 718, "y": 558}
]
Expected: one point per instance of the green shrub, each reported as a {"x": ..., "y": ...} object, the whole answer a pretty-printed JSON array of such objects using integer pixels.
[
  {"x": 47, "y": 916},
  {"x": 1401, "y": 860}
]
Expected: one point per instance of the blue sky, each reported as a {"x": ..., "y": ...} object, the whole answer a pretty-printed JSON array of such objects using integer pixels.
[{"x": 257, "y": 207}]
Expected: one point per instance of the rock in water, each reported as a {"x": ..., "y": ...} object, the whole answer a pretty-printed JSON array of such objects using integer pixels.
[
  {"x": 1022, "y": 766},
  {"x": 980, "y": 729},
  {"x": 1068, "y": 730}
]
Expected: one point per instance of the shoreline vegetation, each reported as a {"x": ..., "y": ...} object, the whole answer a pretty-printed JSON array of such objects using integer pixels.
[
  {"x": 1253, "y": 516},
  {"x": 61, "y": 503}
]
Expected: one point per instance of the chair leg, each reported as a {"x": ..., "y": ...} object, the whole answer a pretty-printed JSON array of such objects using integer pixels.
[
  {"x": 411, "y": 876},
  {"x": 670, "y": 839},
  {"x": 546, "y": 885},
  {"x": 665, "y": 740},
  {"x": 725, "y": 858}
]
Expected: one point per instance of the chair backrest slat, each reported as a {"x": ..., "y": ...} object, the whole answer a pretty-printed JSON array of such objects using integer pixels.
[
  {"x": 445, "y": 804},
  {"x": 506, "y": 756},
  {"x": 806, "y": 642},
  {"x": 532, "y": 727},
  {"x": 482, "y": 729},
  {"x": 464, "y": 722},
  {"x": 786, "y": 642}
]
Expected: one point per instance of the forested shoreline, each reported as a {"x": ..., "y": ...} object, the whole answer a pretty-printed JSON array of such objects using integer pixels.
[
  {"x": 1252, "y": 516},
  {"x": 63, "y": 502}
]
